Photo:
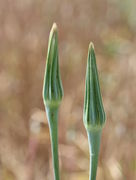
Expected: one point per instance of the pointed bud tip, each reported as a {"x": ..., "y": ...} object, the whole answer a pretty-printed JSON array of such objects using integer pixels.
[
  {"x": 53, "y": 31},
  {"x": 54, "y": 27},
  {"x": 91, "y": 46}
]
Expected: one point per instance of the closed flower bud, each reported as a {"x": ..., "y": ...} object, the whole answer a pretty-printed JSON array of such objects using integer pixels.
[
  {"x": 52, "y": 89},
  {"x": 93, "y": 115}
]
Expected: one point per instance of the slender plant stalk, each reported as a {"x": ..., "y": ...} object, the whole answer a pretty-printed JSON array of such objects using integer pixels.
[
  {"x": 52, "y": 95},
  {"x": 94, "y": 145},
  {"x": 52, "y": 114},
  {"x": 93, "y": 115}
]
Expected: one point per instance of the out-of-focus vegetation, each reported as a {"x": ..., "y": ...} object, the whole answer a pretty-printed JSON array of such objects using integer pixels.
[{"x": 24, "y": 135}]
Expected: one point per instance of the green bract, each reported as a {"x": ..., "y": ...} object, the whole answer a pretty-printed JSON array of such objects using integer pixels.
[
  {"x": 93, "y": 115},
  {"x": 52, "y": 89}
]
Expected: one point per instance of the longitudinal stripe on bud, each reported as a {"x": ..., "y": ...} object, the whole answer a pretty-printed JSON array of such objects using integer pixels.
[
  {"x": 52, "y": 89},
  {"x": 93, "y": 115}
]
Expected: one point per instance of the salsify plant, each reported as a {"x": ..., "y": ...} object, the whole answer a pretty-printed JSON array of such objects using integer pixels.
[
  {"x": 93, "y": 114},
  {"x": 52, "y": 95}
]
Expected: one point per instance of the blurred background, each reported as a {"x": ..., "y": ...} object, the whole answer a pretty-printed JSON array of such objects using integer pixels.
[{"x": 25, "y": 151}]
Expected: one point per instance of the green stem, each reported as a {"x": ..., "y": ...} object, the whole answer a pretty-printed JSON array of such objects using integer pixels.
[
  {"x": 52, "y": 114},
  {"x": 94, "y": 146}
]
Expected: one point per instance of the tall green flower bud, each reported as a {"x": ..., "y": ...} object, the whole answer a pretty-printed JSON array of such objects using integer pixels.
[
  {"x": 93, "y": 113},
  {"x": 52, "y": 89},
  {"x": 52, "y": 95}
]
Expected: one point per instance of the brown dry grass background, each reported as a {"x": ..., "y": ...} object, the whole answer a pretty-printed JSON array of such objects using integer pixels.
[{"x": 24, "y": 30}]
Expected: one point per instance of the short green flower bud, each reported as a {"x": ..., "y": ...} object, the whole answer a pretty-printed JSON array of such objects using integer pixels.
[
  {"x": 93, "y": 115},
  {"x": 52, "y": 88}
]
